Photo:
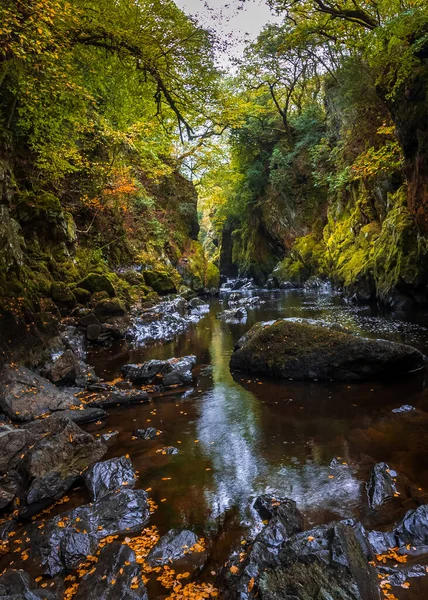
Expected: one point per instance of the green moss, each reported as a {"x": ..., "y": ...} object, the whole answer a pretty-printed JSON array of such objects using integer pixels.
[
  {"x": 61, "y": 294},
  {"x": 82, "y": 295},
  {"x": 95, "y": 282},
  {"x": 160, "y": 281}
]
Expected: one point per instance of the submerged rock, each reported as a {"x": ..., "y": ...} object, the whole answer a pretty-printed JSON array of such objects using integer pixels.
[
  {"x": 232, "y": 314},
  {"x": 301, "y": 350},
  {"x": 66, "y": 540},
  {"x": 175, "y": 371},
  {"x": 171, "y": 547},
  {"x": 108, "y": 476},
  {"x": 25, "y": 395},
  {"x": 146, "y": 434},
  {"x": 117, "y": 576}
]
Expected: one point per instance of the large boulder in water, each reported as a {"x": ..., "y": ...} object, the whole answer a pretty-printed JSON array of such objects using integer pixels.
[
  {"x": 108, "y": 476},
  {"x": 25, "y": 395},
  {"x": 302, "y": 350},
  {"x": 171, "y": 547}
]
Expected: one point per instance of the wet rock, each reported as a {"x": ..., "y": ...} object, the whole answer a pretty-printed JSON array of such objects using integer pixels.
[
  {"x": 169, "y": 450},
  {"x": 117, "y": 576},
  {"x": 160, "y": 281},
  {"x": 66, "y": 540},
  {"x": 403, "y": 409},
  {"x": 87, "y": 415},
  {"x": 13, "y": 442},
  {"x": 171, "y": 547},
  {"x": 288, "y": 349},
  {"x": 146, "y": 434},
  {"x": 97, "y": 283},
  {"x": 89, "y": 319},
  {"x": 109, "y": 435},
  {"x": 108, "y": 476},
  {"x": 55, "y": 462},
  {"x": 232, "y": 314},
  {"x": 25, "y": 395},
  {"x": 381, "y": 486},
  {"x": 326, "y": 562},
  {"x": 120, "y": 398},
  {"x": 93, "y": 332},
  {"x": 412, "y": 529},
  {"x": 284, "y": 521},
  {"x": 175, "y": 371},
  {"x": 397, "y": 576},
  {"x": 10, "y": 485},
  {"x": 19, "y": 585},
  {"x": 68, "y": 369}
]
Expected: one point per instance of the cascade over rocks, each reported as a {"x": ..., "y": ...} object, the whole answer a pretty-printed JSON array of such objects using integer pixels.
[
  {"x": 25, "y": 395},
  {"x": 301, "y": 350}
]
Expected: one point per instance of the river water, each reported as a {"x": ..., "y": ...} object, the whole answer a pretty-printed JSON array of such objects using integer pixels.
[{"x": 241, "y": 436}]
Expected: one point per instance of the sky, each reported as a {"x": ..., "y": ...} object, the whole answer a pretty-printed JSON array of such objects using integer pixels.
[{"x": 234, "y": 22}]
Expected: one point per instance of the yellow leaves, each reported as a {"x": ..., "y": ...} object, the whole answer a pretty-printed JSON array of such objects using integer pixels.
[
  {"x": 310, "y": 538},
  {"x": 250, "y": 585},
  {"x": 233, "y": 569}
]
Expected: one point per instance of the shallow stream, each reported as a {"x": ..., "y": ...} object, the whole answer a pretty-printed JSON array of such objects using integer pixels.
[{"x": 241, "y": 436}]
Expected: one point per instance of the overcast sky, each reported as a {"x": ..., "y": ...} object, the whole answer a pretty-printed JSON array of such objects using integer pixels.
[{"x": 234, "y": 22}]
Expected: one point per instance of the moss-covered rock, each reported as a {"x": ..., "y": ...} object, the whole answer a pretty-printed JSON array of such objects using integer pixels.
[
  {"x": 95, "y": 282},
  {"x": 160, "y": 281},
  {"x": 62, "y": 294},
  {"x": 109, "y": 308},
  {"x": 98, "y": 296},
  {"x": 304, "y": 350},
  {"x": 82, "y": 296}
]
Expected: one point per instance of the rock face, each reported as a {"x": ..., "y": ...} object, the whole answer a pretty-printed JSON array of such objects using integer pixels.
[
  {"x": 25, "y": 395},
  {"x": 67, "y": 369},
  {"x": 175, "y": 371},
  {"x": 12, "y": 443},
  {"x": 171, "y": 547},
  {"x": 108, "y": 476},
  {"x": 117, "y": 576},
  {"x": 300, "y": 350},
  {"x": 67, "y": 540}
]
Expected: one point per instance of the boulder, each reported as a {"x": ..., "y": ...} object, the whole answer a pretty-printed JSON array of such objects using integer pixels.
[
  {"x": 160, "y": 281},
  {"x": 381, "y": 486},
  {"x": 174, "y": 371},
  {"x": 93, "y": 332},
  {"x": 62, "y": 294},
  {"x": 68, "y": 369},
  {"x": 82, "y": 296},
  {"x": 412, "y": 529},
  {"x": 19, "y": 585},
  {"x": 13, "y": 443},
  {"x": 55, "y": 463},
  {"x": 95, "y": 282},
  {"x": 67, "y": 539},
  {"x": 108, "y": 476},
  {"x": 105, "y": 309},
  {"x": 326, "y": 562},
  {"x": 171, "y": 547},
  {"x": 117, "y": 576},
  {"x": 89, "y": 319},
  {"x": 10, "y": 486},
  {"x": 169, "y": 450},
  {"x": 25, "y": 395},
  {"x": 301, "y": 350}
]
